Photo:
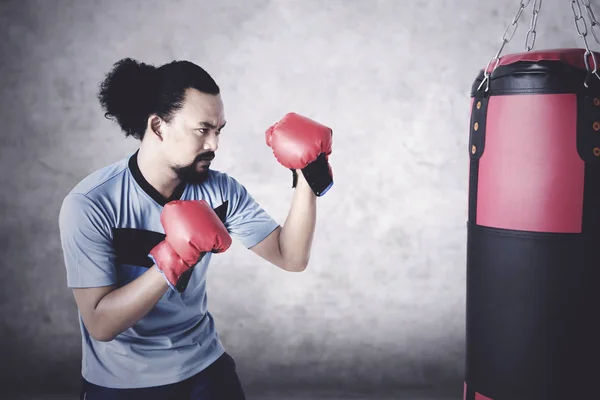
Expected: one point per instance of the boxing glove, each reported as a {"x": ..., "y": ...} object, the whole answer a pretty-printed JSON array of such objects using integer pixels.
[
  {"x": 301, "y": 143},
  {"x": 192, "y": 229}
]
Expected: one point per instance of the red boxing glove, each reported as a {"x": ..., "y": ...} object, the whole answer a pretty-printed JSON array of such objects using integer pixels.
[
  {"x": 192, "y": 229},
  {"x": 301, "y": 143},
  {"x": 171, "y": 266}
]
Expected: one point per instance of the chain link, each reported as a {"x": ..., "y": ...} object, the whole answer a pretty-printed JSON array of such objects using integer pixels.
[
  {"x": 582, "y": 31},
  {"x": 593, "y": 22},
  {"x": 531, "y": 34},
  {"x": 511, "y": 28}
]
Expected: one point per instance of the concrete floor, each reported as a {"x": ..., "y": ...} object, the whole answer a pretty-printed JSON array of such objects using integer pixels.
[
  {"x": 407, "y": 396},
  {"x": 399, "y": 396},
  {"x": 404, "y": 395}
]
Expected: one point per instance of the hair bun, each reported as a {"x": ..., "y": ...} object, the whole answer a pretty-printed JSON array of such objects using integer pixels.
[{"x": 128, "y": 94}]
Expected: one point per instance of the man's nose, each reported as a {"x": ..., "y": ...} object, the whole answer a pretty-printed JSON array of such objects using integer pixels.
[{"x": 211, "y": 142}]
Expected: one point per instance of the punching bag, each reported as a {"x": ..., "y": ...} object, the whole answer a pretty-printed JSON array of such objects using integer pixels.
[{"x": 533, "y": 243}]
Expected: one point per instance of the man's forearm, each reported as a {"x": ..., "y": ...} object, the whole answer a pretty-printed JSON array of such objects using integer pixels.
[
  {"x": 297, "y": 233},
  {"x": 123, "y": 307}
]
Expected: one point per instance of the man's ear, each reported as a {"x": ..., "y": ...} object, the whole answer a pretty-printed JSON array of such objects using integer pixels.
[{"x": 155, "y": 124}]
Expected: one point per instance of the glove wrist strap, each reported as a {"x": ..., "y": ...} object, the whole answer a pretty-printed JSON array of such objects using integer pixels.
[{"x": 317, "y": 174}]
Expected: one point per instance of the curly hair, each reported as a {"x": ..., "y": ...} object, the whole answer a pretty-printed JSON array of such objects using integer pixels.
[{"x": 132, "y": 91}]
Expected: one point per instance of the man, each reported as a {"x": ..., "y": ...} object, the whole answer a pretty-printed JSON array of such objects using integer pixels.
[{"x": 138, "y": 235}]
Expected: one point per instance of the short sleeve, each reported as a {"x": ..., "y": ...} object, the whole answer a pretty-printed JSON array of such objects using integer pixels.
[
  {"x": 86, "y": 243},
  {"x": 245, "y": 220}
]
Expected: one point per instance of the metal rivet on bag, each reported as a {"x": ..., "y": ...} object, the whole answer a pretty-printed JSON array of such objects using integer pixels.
[
  {"x": 596, "y": 126},
  {"x": 479, "y": 104},
  {"x": 476, "y": 126},
  {"x": 596, "y": 101},
  {"x": 474, "y": 149},
  {"x": 597, "y": 151}
]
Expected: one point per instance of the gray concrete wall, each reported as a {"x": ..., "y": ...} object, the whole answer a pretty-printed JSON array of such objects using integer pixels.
[{"x": 382, "y": 302}]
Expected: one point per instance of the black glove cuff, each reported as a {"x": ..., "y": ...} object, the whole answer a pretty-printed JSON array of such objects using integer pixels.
[
  {"x": 294, "y": 178},
  {"x": 318, "y": 176}
]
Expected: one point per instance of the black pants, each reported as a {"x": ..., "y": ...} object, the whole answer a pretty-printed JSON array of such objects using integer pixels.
[{"x": 217, "y": 382}]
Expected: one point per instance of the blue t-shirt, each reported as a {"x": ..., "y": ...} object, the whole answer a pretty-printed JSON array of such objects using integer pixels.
[{"x": 108, "y": 224}]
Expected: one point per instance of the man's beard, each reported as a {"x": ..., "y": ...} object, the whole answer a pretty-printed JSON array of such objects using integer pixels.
[{"x": 191, "y": 174}]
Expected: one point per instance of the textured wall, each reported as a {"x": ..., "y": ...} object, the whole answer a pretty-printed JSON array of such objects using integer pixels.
[{"x": 382, "y": 302}]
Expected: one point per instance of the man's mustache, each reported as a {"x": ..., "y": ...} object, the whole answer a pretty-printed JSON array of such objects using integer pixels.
[{"x": 208, "y": 156}]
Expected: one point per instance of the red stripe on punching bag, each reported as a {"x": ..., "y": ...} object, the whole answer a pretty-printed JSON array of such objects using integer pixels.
[
  {"x": 478, "y": 396},
  {"x": 530, "y": 174},
  {"x": 572, "y": 57}
]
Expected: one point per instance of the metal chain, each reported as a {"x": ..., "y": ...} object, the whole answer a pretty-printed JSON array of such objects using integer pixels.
[
  {"x": 594, "y": 22},
  {"x": 531, "y": 34},
  {"x": 512, "y": 28},
  {"x": 582, "y": 31}
]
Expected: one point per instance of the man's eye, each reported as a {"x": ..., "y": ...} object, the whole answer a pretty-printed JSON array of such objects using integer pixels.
[{"x": 202, "y": 130}]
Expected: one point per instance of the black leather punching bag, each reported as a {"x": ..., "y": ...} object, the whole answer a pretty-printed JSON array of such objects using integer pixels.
[{"x": 533, "y": 252}]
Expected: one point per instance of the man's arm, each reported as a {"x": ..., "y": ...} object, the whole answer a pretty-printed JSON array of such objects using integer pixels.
[
  {"x": 302, "y": 145},
  {"x": 89, "y": 258},
  {"x": 107, "y": 311},
  {"x": 288, "y": 247}
]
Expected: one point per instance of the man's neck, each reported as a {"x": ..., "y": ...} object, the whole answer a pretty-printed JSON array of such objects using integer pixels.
[{"x": 154, "y": 170}]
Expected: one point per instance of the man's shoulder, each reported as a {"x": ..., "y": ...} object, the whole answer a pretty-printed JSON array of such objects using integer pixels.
[
  {"x": 100, "y": 180},
  {"x": 227, "y": 185},
  {"x": 217, "y": 177},
  {"x": 88, "y": 196},
  {"x": 217, "y": 181},
  {"x": 219, "y": 187}
]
